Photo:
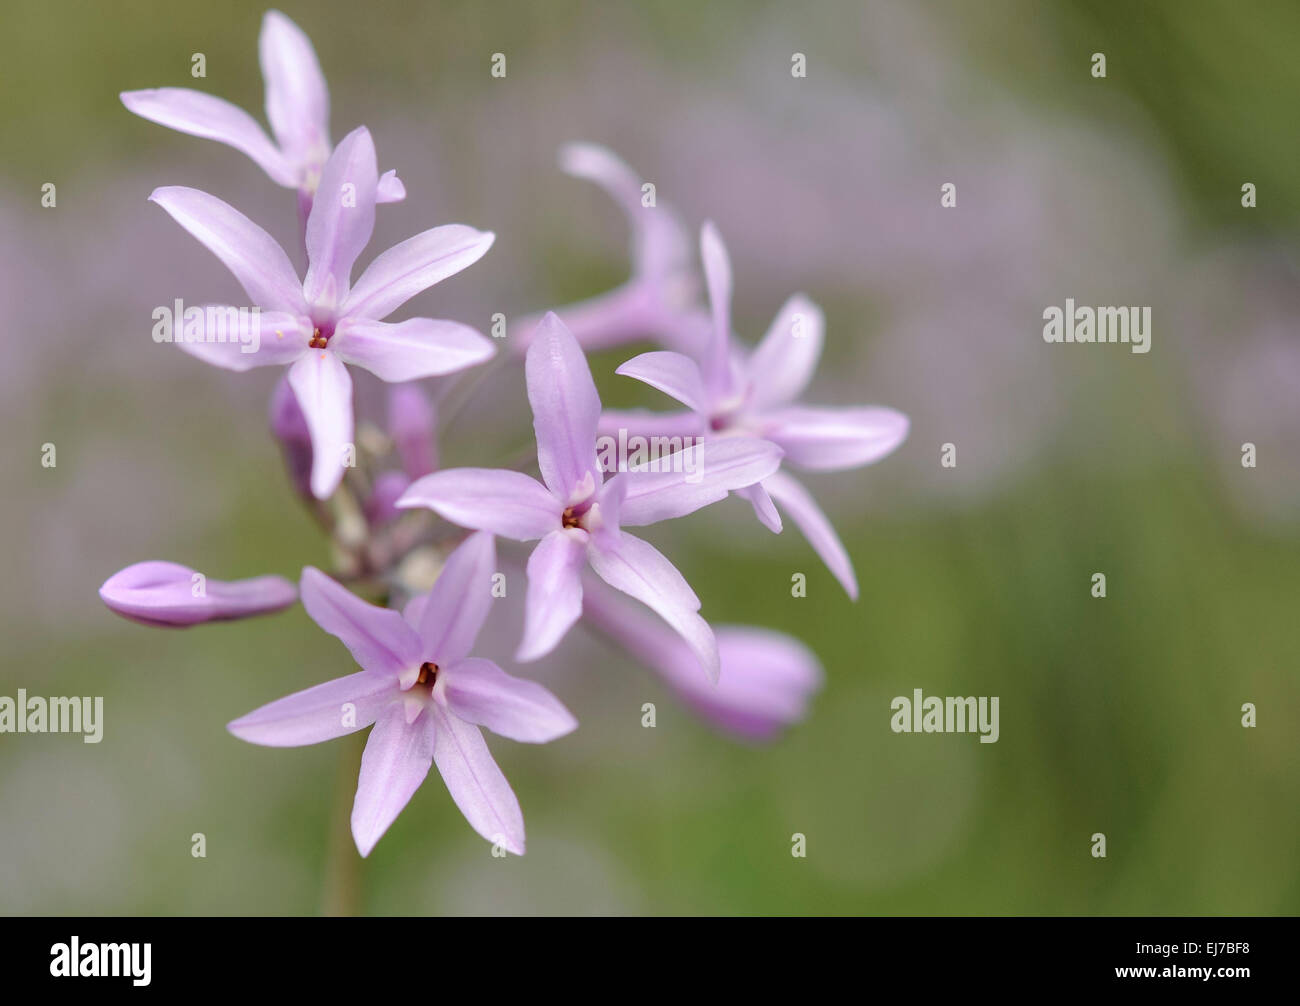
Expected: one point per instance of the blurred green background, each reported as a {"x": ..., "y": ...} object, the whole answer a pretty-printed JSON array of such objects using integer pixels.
[{"x": 1119, "y": 715}]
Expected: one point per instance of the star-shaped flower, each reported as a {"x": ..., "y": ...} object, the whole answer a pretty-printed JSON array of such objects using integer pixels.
[
  {"x": 730, "y": 392},
  {"x": 578, "y": 515},
  {"x": 316, "y": 325},
  {"x": 297, "y": 106},
  {"x": 426, "y": 696}
]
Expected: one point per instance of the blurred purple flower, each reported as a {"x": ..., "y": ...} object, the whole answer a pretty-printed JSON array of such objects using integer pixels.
[
  {"x": 412, "y": 421},
  {"x": 324, "y": 321},
  {"x": 658, "y": 300},
  {"x": 732, "y": 394},
  {"x": 425, "y": 696},
  {"x": 168, "y": 595},
  {"x": 578, "y": 516},
  {"x": 767, "y": 677},
  {"x": 297, "y": 106}
]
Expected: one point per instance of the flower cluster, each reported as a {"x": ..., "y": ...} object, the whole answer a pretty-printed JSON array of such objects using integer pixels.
[{"x": 422, "y": 540}]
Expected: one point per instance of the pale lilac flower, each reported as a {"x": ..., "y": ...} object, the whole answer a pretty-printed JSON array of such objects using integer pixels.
[
  {"x": 658, "y": 300},
  {"x": 426, "y": 696},
  {"x": 579, "y": 516},
  {"x": 316, "y": 325},
  {"x": 767, "y": 680},
  {"x": 297, "y": 106},
  {"x": 168, "y": 595},
  {"x": 730, "y": 392}
]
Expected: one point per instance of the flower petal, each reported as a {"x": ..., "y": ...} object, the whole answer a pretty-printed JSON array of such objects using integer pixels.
[
  {"x": 297, "y": 100},
  {"x": 396, "y": 760},
  {"x": 170, "y": 595},
  {"x": 390, "y": 188},
  {"x": 414, "y": 265},
  {"x": 480, "y": 692},
  {"x": 684, "y": 482},
  {"x": 333, "y": 709},
  {"x": 410, "y": 350},
  {"x": 323, "y": 388},
  {"x": 507, "y": 503},
  {"x": 475, "y": 781},
  {"x": 256, "y": 259},
  {"x": 459, "y": 602},
  {"x": 211, "y": 118},
  {"x": 645, "y": 423},
  {"x": 717, "y": 275},
  {"x": 342, "y": 219},
  {"x": 826, "y": 439},
  {"x": 378, "y": 638},
  {"x": 637, "y": 568},
  {"x": 554, "y": 599},
  {"x": 565, "y": 407},
  {"x": 798, "y": 503},
  {"x": 246, "y": 340},
  {"x": 783, "y": 363},
  {"x": 764, "y": 508},
  {"x": 672, "y": 373}
]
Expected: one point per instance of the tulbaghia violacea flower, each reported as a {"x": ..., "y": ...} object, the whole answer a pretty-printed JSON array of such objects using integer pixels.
[
  {"x": 426, "y": 696},
  {"x": 730, "y": 392},
  {"x": 658, "y": 300},
  {"x": 578, "y": 515},
  {"x": 169, "y": 595},
  {"x": 767, "y": 679},
  {"x": 297, "y": 106},
  {"x": 316, "y": 325}
]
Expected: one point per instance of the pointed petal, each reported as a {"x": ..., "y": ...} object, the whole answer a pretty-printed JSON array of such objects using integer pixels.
[
  {"x": 413, "y": 266},
  {"x": 554, "y": 600},
  {"x": 378, "y": 638},
  {"x": 479, "y": 692},
  {"x": 826, "y": 439},
  {"x": 459, "y": 602},
  {"x": 783, "y": 363},
  {"x": 170, "y": 595},
  {"x": 211, "y": 118},
  {"x": 798, "y": 503},
  {"x": 672, "y": 373},
  {"x": 475, "y": 781},
  {"x": 637, "y": 568},
  {"x": 565, "y": 407},
  {"x": 338, "y": 707},
  {"x": 256, "y": 259},
  {"x": 297, "y": 100},
  {"x": 717, "y": 275},
  {"x": 396, "y": 760},
  {"x": 239, "y": 339},
  {"x": 410, "y": 350},
  {"x": 507, "y": 503},
  {"x": 764, "y": 508},
  {"x": 684, "y": 482},
  {"x": 323, "y": 388},
  {"x": 342, "y": 218},
  {"x": 390, "y": 188}
]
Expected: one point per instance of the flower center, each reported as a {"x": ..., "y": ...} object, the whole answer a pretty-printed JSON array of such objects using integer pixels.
[
  {"x": 570, "y": 518},
  {"x": 428, "y": 674},
  {"x": 318, "y": 341}
]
